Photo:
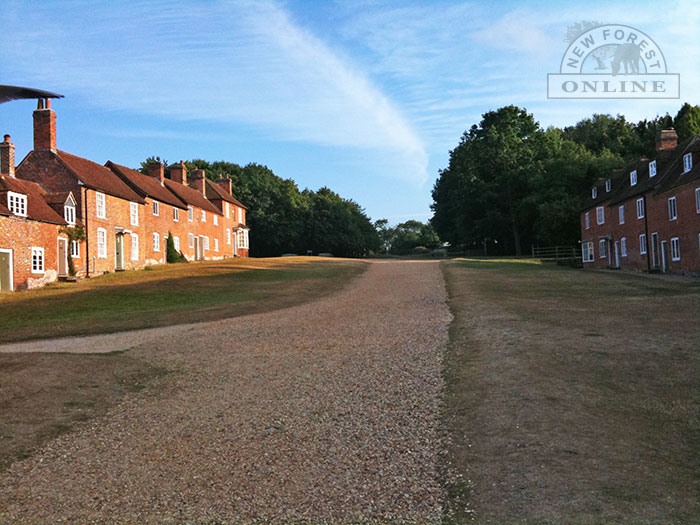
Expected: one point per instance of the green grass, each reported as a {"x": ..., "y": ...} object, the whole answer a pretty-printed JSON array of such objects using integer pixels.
[
  {"x": 572, "y": 396},
  {"x": 166, "y": 295}
]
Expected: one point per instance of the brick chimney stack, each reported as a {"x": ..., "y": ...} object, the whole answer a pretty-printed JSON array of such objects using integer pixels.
[
  {"x": 178, "y": 173},
  {"x": 44, "y": 126},
  {"x": 667, "y": 140},
  {"x": 198, "y": 181},
  {"x": 226, "y": 184},
  {"x": 7, "y": 157},
  {"x": 156, "y": 170}
]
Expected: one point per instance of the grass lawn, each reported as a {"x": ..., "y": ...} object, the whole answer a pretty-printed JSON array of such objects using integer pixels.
[
  {"x": 169, "y": 294},
  {"x": 573, "y": 396},
  {"x": 44, "y": 395}
]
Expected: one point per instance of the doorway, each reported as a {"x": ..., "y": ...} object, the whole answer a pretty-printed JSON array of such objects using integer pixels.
[
  {"x": 617, "y": 254},
  {"x": 664, "y": 256},
  {"x": 6, "y": 277},
  {"x": 119, "y": 253},
  {"x": 654, "y": 250},
  {"x": 197, "y": 250},
  {"x": 62, "y": 257}
]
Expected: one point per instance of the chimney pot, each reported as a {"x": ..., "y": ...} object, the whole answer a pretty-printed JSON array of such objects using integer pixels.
[
  {"x": 667, "y": 140},
  {"x": 226, "y": 184},
  {"x": 156, "y": 169},
  {"x": 7, "y": 157},
  {"x": 44, "y": 127}
]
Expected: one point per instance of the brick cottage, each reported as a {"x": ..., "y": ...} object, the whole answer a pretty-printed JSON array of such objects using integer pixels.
[
  {"x": 126, "y": 216},
  {"x": 646, "y": 216}
]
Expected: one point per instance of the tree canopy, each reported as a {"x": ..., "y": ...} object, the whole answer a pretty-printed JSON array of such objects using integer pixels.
[
  {"x": 284, "y": 219},
  {"x": 511, "y": 181}
]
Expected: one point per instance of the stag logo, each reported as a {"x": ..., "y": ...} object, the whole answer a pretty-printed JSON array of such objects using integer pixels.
[{"x": 611, "y": 61}]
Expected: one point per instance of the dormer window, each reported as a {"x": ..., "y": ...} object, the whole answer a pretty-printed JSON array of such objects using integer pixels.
[
  {"x": 633, "y": 178},
  {"x": 687, "y": 162},
  {"x": 608, "y": 185},
  {"x": 594, "y": 192},
  {"x": 652, "y": 169},
  {"x": 17, "y": 203},
  {"x": 69, "y": 214}
]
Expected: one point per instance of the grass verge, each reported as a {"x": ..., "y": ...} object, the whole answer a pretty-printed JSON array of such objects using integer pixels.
[
  {"x": 571, "y": 396},
  {"x": 169, "y": 294}
]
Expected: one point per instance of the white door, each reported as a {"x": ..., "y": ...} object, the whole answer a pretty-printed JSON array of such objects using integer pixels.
[
  {"x": 664, "y": 257},
  {"x": 617, "y": 254}
]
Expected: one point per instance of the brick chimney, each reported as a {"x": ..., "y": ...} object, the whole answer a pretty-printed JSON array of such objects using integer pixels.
[
  {"x": 156, "y": 170},
  {"x": 667, "y": 140},
  {"x": 226, "y": 184},
  {"x": 198, "y": 181},
  {"x": 44, "y": 126},
  {"x": 178, "y": 173},
  {"x": 7, "y": 157}
]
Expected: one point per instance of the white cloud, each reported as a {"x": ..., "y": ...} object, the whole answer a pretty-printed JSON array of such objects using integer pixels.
[{"x": 227, "y": 62}]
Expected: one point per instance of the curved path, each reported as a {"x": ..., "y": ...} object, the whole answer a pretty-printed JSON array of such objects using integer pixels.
[{"x": 326, "y": 411}]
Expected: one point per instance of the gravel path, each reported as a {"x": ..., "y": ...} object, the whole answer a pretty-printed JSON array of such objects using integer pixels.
[{"x": 322, "y": 412}]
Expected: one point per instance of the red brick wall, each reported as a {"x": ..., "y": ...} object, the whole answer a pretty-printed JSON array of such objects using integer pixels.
[
  {"x": 21, "y": 235},
  {"x": 686, "y": 227}
]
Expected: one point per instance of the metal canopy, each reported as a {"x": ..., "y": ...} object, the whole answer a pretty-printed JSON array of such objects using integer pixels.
[{"x": 8, "y": 93}]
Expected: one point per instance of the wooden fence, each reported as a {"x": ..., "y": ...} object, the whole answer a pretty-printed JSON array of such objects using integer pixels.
[{"x": 556, "y": 252}]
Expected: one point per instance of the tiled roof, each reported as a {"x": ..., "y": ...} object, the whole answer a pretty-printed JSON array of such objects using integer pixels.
[
  {"x": 146, "y": 185},
  {"x": 59, "y": 197},
  {"x": 216, "y": 192},
  {"x": 674, "y": 175},
  {"x": 4, "y": 210},
  {"x": 98, "y": 177},
  {"x": 37, "y": 207},
  {"x": 190, "y": 196}
]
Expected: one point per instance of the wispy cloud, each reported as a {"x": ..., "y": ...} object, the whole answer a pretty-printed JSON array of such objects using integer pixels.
[{"x": 227, "y": 62}]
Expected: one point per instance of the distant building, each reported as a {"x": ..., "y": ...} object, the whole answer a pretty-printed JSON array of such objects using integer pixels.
[
  {"x": 646, "y": 216},
  {"x": 126, "y": 216}
]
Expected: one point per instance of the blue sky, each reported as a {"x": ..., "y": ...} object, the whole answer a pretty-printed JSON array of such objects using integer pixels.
[{"x": 365, "y": 97}]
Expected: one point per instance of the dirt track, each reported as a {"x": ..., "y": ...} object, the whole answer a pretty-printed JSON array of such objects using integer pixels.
[{"x": 325, "y": 411}]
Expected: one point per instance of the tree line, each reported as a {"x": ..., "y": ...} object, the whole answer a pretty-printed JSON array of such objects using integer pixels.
[
  {"x": 284, "y": 219},
  {"x": 513, "y": 183}
]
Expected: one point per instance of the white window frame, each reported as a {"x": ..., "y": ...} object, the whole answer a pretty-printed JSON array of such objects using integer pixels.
[
  {"x": 697, "y": 200},
  {"x": 226, "y": 208},
  {"x": 75, "y": 249},
  {"x": 608, "y": 185},
  {"x": 603, "y": 248},
  {"x": 134, "y": 247},
  {"x": 190, "y": 213},
  {"x": 100, "y": 205},
  {"x": 621, "y": 214},
  {"x": 17, "y": 203},
  {"x": 643, "y": 244},
  {"x": 672, "y": 209},
  {"x": 216, "y": 244},
  {"x": 623, "y": 247},
  {"x": 675, "y": 249},
  {"x": 633, "y": 178},
  {"x": 206, "y": 243},
  {"x": 134, "y": 213},
  {"x": 191, "y": 240},
  {"x": 600, "y": 215},
  {"x": 176, "y": 214},
  {"x": 243, "y": 239},
  {"x": 587, "y": 220},
  {"x": 69, "y": 214},
  {"x": 38, "y": 260},
  {"x": 101, "y": 246},
  {"x": 156, "y": 209},
  {"x": 640, "y": 208},
  {"x": 652, "y": 169},
  {"x": 228, "y": 235},
  {"x": 176, "y": 243},
  {"x": 587, "y": 251},
  {"x": 687, "y": 162},
  {"x": 156, "y": 242},
  {"x": 204, "y": 216},
  {"x": 240, "y": 215},
  {"x": 216, "y": 220},
  {"x": 594, "y": 192}
]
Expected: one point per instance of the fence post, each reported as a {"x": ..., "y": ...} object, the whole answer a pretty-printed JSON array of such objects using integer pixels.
[
  {"x": 532, "y": 246},
  {"x": 556, "y": 252}
]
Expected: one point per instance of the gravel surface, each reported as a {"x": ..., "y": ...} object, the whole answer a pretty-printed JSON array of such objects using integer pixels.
[{"x": 324, "y": 412}]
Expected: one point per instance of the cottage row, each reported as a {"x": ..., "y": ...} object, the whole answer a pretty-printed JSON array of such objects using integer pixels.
[
  {"x": 106, "y": 217},
  {"x": 646, "y": 216}
]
